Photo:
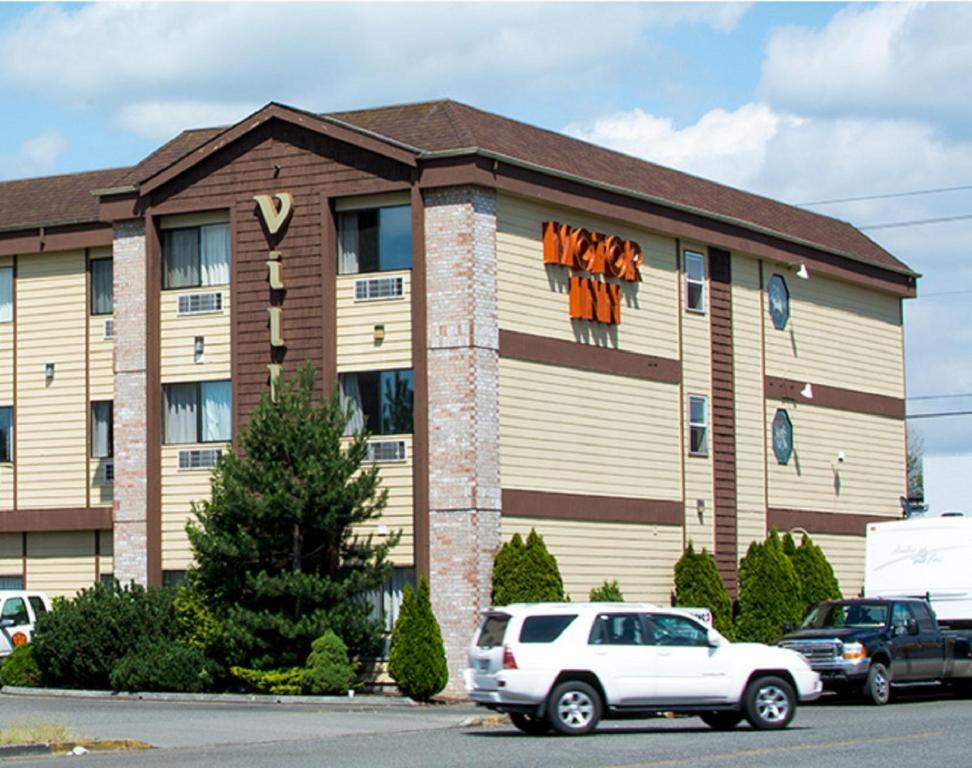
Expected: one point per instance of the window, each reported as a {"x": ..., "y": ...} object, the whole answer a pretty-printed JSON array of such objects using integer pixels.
[
  {"x": 782, "y": 436},
  {"x": 379, "y": 401},
  {"x": 676, "y": 630},
  {"x": 173, "y": 578},
  {"x": 102, "y": 430},
  {"x": 6, "y": 435},
  {"x": 375, "y": 240},
  {"x": 698, "y": 425},
  {"x": 695, "y": 281},
  {"x": 12, "y": 582},
  {"x": 15, "y": 608},
  {"x": 544, "y": 629},
  {"x": 199, "y": 412},
  {"x": 196, "y": 256},
  {"x": 492, "y": 631},
  {"x": 37, "y": 604},
  {"x": 779, "y": 301},
  {"x": 617, "y": 629},
  {"x": 107, "y": 580},
  {"x": 102, "y": 275},
  {"x": 6, "y": 294},
  {"x": 386, "y": 601}
]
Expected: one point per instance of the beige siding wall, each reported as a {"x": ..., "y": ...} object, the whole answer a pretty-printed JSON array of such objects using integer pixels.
[
  {"x": 641, "y": 557},
  {"x": 101, "y": 386},
  {"x": 6, "y": 486},
  {"x": 102, "y": 489},
  {"x": 11, "y": 550},
  {"x": 178, "y": 338},
  {"x": 750, "y": 426},
  {"x": 838, "y": 334},
  {"x": 697, "y": 380},
  {"x": 51, "y": 417},
  {"x": 357, "y": 349},
  {"x": 846, "y": 556},
  {"x": 533, "y": 298},
  {"x": 106, "y": 560},
  {"x": 60, "y": 563},
  {"x": 179, "y": 489},
  {"x": 870, "y": 479},
  {"x": 397, "y": 516},
  {"x": 572, "y": 431}
]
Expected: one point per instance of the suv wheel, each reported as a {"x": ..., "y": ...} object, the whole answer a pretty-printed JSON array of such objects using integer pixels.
[
  {"x": 877, "y": 689},
  {"x": 721, "y": 721},
  {"x": 535, "y": 726},
  {"x": 769, "y": 703},
  {"x": 574, "y": 708}
]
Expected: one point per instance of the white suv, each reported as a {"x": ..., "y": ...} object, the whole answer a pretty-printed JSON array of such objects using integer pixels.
[{"x": 567, "y": 665}]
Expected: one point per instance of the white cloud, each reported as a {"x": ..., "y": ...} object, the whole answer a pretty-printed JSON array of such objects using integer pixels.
[
  {"x": 889, "y": 59},
  {"x": 38, "y": 156},
  {"x": 161, "y": 120}
]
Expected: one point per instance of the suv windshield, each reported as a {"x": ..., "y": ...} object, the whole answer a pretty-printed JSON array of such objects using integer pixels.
[{"x": 846, "y": 615}]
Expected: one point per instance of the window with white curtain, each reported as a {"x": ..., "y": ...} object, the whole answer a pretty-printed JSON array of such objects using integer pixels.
[
  {"x": 375, "y": 240},
  {"x": 196, "y": 256},
  {"x": 6, "y": 294},
  {"x": 694, "y": 281},
  {"x": 101, "y": 286},
  {"x": 197, "y": 412},
  {"x": 379, "y": 401},
  {"x": 102, "y": 430},
  {"x": 698, "y": 425},
  {"x": 6, "y": 435}
]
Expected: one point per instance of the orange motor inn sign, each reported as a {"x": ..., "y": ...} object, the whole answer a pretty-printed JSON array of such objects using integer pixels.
[{"x": 601, "y": 257}]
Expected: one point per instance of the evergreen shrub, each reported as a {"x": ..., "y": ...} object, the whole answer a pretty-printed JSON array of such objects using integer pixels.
[
  {"x": 608, "y": 592},
  {"x": 280, "y": 682},
  {"x": 817, "y": 579},
  {"x": 20, "y": 668},
  {"x": 328, "y": 669},
  {"x": 163, "y": 665},
  {"x": 526, "y": 572},
  {"x": 769, "y": 592},
  {"x": 416, "y": 658},
  {"x": 699, "y": 585}
]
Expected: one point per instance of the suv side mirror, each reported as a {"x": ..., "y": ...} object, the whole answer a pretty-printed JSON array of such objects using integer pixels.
[
  {"x": 714, "y": 638},
  {"x": 8, "y": 622}
]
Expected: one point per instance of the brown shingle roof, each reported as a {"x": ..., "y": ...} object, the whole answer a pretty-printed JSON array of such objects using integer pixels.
[{"x": 54, "y": 200}]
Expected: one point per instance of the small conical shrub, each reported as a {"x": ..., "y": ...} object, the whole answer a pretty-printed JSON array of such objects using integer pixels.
[
  {"x": 698, "y": 585},
  {"x": 328, "y": 669},
  {"x": 608, "y": 592},
  {"x": 416, "y": 659},
  {"x": 769, "y": 592},
  {"x": 526, "y": 572},
  {"x": 506, "y": 568},
  {"x": 817, "y": 579}
]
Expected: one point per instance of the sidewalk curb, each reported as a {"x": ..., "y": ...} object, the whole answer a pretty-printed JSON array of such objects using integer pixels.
[
  {"x": 65, "y": 747},
  {"x": 342, "y": 702}
]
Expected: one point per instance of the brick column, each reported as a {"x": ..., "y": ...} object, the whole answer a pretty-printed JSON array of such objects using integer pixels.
[
  {"x": 463, "y": 408},
  {"x": 131, "y": 434}
]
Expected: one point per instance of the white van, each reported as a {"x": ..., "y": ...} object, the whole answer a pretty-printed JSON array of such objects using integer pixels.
[{"x": 18, "y": 614}]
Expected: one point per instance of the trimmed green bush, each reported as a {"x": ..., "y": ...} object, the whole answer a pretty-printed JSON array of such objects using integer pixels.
[
  {"x": 164, "y": 665},
  {"x": 280, "y": 682},
  {"x": 608, "y": 592},
  {"x": 78, "y": 643},
  {"x": 20, "y": 668},
  {"x": 698, "y": 585},
  {"x": 328, "y": 669},
  {"x": 817, "y": 579},
  {"x": 526, "y": 572},
  {"x": 416, "y": 659},
  {"x": 769, "y": 592}
]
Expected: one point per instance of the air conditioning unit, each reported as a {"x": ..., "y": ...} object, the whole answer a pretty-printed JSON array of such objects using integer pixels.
[
  {"x": 109, "y": 470},
  {"x": 200, "y": 303},
  {"x": 379, "y": 288},
  {"x": 109, "y": 329},
  {"x": 386, "y": 451},
  {"x": 199, "y": 458}
]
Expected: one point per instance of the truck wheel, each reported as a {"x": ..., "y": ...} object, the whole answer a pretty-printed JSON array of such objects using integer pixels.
[
  {"x": 574, "y": 708},
  {"x": 535, "y": 726},
  {"x": 877, "y": 689},
  {"x": 721, "y": 721},
  {"x": 769, "y": 703}
]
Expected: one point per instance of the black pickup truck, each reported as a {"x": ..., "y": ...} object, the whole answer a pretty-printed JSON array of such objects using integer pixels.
[{"x": 873, "y": 644}]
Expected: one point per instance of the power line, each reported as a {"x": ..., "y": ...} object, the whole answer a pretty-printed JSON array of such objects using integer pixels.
[
  {"x": 937, "y": 415},
  {"x": 918, "y": 222},
  {"x": 886, "y": 196},
  {"x": 944, "y": 293},
  {"x": 938, "y": 397}
]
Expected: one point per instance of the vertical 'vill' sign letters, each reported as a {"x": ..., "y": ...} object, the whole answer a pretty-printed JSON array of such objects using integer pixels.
[{"x": 274, "y": 217}]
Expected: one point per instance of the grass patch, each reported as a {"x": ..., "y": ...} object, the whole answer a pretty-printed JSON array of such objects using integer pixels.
[{"x": 34, "y": 732}]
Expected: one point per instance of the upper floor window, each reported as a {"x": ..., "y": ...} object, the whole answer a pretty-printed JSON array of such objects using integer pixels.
[
  {"x": 779, "y": 301},
  {"x": 6, "y": 434},
  {"x": 379, "y": 401},
  {"x": 197, "y": 412},
  {"x": 102, "y": 430},
  {"x": 6, "y": 294},
  {"x": 694, "y": 281},
  {"x": 698, "y": 425},
  {"x": 196, "y": 256},
  {"x": 102, "y": 275},
  {"x": 375, "y": 240}
]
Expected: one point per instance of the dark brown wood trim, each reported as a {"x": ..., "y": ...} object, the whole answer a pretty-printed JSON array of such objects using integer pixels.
[
  {"x": 572, "y": 354},
  {"x": 97, "y": 555},
  {"x": 153, "y": 402},
  {"x": 659, "y": 218},
  {"x": 837, "y": 523},
  {"x": 723, "y": 417},
  {"x": 837, "y": 398},
  {"x": 420, "y": 372},
  {"x": 598, "y": 509},
  {"x": 58, "y": 519},
  {"x": 117, "y": 207},
  {"x": 329, "y": 270},
  {"x": 87, "y": 377},
  {"x": 65, "y": 238}
]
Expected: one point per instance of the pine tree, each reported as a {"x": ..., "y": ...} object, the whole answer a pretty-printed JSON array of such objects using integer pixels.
[
  {"x": 275, "y": 551},
  {"x": 698, "y": 585},
  {"x": 769, "y": 592},
  {"x": 416, "y": 658},
  {"x": 817, "y": 579}
]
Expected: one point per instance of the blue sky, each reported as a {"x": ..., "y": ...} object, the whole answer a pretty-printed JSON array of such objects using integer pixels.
[{"x": 799, "y": 101}]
